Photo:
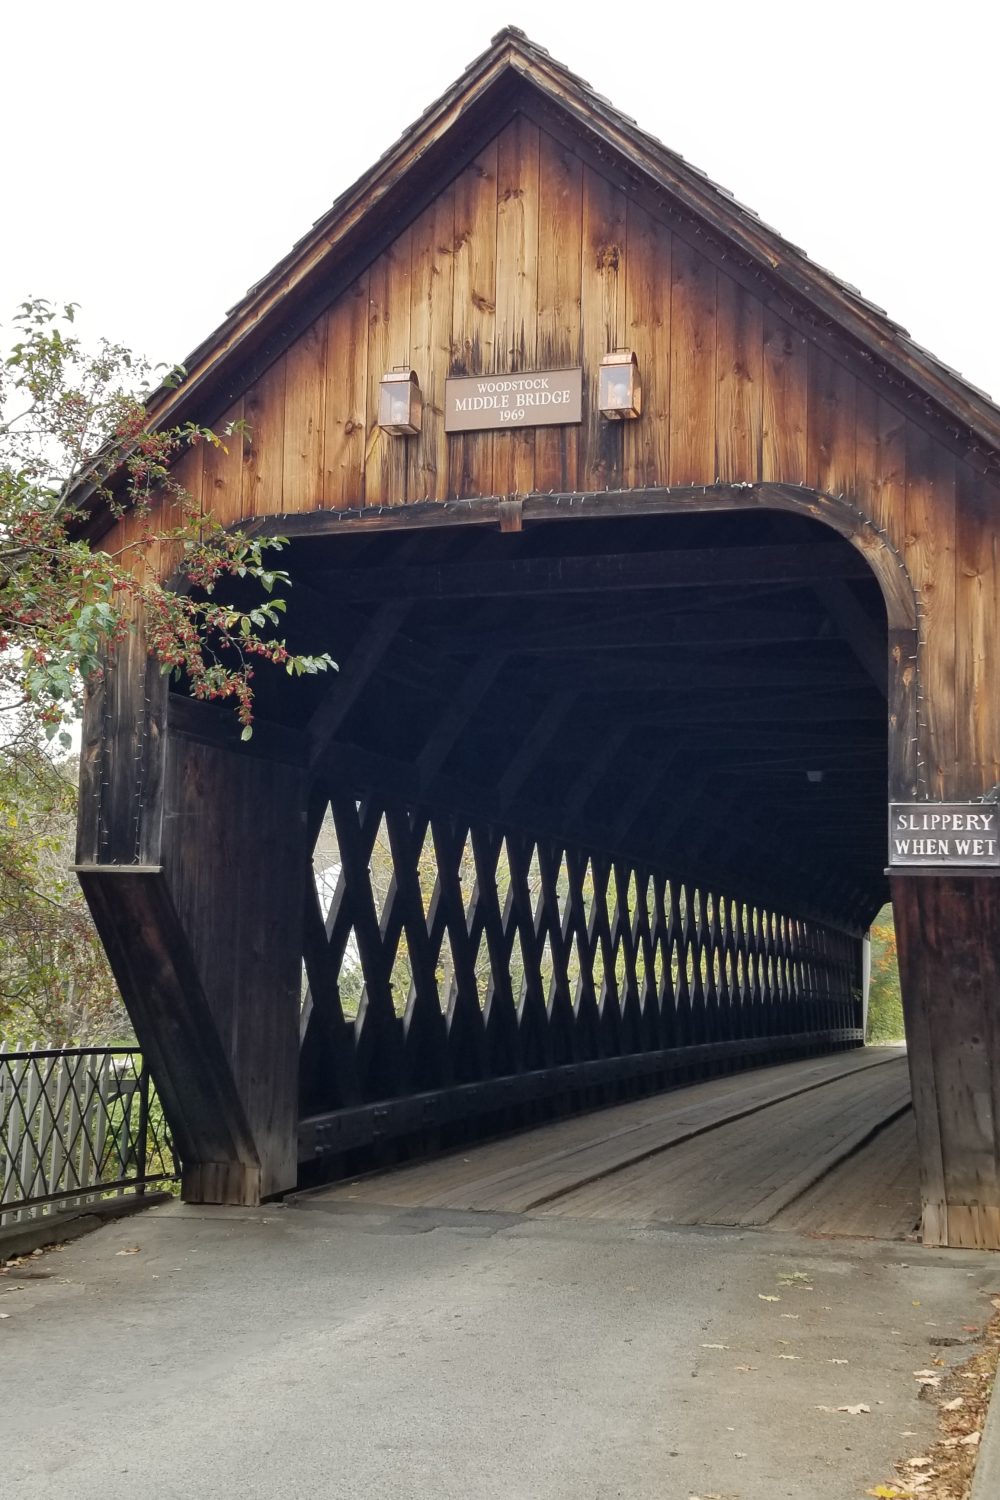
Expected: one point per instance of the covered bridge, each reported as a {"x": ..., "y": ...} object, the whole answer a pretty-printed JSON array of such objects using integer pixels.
[{"x": 683, "y": 582}]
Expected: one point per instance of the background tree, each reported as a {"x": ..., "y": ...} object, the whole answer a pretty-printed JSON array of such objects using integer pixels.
[
  {"x": 55, "y": 983},
  {"x": 885, "y": 1002}
]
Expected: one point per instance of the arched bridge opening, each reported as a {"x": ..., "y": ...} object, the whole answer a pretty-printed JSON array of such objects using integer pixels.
[{"x": 592, "y": 809}]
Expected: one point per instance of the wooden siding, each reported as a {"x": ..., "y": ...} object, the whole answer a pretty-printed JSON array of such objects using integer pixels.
[{"x": 534, "y": 258}]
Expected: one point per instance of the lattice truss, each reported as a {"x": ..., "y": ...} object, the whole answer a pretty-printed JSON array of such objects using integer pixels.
[
  {"x": 439, "y": 952},
  {"x": 76, "y": 1123}
]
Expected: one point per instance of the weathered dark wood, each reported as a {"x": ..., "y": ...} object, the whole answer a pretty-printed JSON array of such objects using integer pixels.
[
  {"x": 234, "y": 860},
  {"x": 152, "y": 961},
  {"x": 948, "y": 931}
]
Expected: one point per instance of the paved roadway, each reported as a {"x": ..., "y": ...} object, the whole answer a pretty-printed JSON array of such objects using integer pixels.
[{"x": 364, "y": 1350}]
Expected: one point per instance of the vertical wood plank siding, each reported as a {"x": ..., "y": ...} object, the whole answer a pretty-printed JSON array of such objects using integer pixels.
[{"x": 533, "y": 258}]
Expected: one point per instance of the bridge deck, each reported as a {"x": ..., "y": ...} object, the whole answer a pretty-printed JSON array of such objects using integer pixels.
[{"x": 825, "y": 1146}]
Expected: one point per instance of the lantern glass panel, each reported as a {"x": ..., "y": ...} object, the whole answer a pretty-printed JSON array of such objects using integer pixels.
[
  {"x": 619, "y": 391},
  {"x": 616, "y": 381},
  {"x": 399, "y": 404}
]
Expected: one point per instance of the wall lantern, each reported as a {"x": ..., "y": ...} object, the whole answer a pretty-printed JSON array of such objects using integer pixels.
[
  {"x": 619, "y": 386},
  {"x": 400, "y": 404}
]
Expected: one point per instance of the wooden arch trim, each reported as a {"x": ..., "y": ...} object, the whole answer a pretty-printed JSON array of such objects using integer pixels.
[{"x": 836, "y": 511}]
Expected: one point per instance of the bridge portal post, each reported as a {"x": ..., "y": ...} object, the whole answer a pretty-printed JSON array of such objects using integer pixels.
[
  {"x": 192, "y": 852},
  {"x": 948, "y": 934}
]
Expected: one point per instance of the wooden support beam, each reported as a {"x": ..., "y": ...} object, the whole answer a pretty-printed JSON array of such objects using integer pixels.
[
  {"x": 215, "y": 939},
  {"x": 855, "y": 625},
  {"x": 328, "y": 1062},
  {"x": 235, "y": 859},
  {"x": 533, "y": 747},
  {"x": 161, "y": 985},
  {"x": 607, "y": 750},
  {"x": 706, "y": 674},
  {"x": 661, "y": 629},
  {"x": 353, "y": 676},
  {"x": 687, "y": 709},
  {"x": 948, "y": 931},
  {"x": 648, "y": 780},
  {"x": 452, "y": 721},
  {"x": 801, "y": 562}
]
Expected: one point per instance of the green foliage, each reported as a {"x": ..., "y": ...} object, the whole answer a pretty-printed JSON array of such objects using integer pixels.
[
  {"x": 885, "y": 1005},
  {"x": 55, "y": 984},
  {"x": 75, "y": 429}
]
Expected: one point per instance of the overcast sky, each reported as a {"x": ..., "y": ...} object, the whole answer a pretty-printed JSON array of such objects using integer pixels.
[{"x": 159, "y": 159}]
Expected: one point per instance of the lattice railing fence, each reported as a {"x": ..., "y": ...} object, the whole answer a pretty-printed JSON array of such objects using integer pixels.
[
  {"x": 77, "y": 1124},
  {"x": 439, "y": 954}
]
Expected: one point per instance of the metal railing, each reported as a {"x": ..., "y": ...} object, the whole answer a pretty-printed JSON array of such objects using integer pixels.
[{"x": 77, "y": 1124}]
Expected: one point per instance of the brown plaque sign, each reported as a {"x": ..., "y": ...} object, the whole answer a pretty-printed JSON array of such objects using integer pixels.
[
  {"x": 944, "y": 833},
  {"x": 541, "y": 398}
]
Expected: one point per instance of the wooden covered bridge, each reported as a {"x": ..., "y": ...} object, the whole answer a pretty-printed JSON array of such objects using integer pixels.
[{"x": 662, "y": 578}]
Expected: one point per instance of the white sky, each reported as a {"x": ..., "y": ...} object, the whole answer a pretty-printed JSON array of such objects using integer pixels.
[{"x": 159, "y": 159}]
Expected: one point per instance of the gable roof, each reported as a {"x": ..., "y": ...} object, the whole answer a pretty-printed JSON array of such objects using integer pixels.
[{"x": 445, "y": 137}]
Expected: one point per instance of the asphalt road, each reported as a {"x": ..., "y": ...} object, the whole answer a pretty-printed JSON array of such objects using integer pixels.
[{"x": 290, "y": 1354}]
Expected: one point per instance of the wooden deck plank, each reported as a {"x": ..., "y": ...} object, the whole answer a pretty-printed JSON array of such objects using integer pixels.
[
  {"x": 874, "y": 1195},
  {"x": 746, "y": 1171},
  {"x": 524, "y": 1172}
]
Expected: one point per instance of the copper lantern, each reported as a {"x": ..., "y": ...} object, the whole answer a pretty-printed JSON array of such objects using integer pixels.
[
  {"x": 619, "y": 392},
  {"x": 400, "y": 404}
]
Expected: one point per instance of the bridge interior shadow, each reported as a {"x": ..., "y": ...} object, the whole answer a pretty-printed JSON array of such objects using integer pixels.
[
  {"x": 727, "y": 722},
  {"x": 597, "y": 808}
]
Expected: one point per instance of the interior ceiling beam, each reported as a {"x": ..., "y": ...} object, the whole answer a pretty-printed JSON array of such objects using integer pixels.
[
  {"x": 456, "y": 715},
  {"x": 688, "y": 709},
  {"x": 865, "y": 635},
  {"x": 788, "y": 741},
  {"x": 800, "y": 562},
  {"x": 716, "y": 674},
  {"x": 546, "y": 727},
  {"x": 662, "y": 629},
  {"x": 352, "y": 677},
  {"x": 855, "y": 625}
]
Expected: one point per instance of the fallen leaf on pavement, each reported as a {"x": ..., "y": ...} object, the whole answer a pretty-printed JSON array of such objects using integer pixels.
[
  {"x": 129, "y": 1250},
  {"x": 715, "y": 1346},
  {"x": 838, "y": 1361},
  {"x": 765, "y": 1298}
]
